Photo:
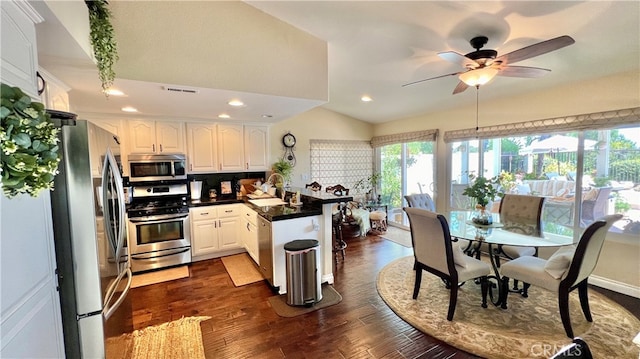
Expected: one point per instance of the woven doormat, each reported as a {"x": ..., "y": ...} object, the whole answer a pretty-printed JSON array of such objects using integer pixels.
[
  {"x": 241, "y": 269},
  {"x": 329, "y": 297}
]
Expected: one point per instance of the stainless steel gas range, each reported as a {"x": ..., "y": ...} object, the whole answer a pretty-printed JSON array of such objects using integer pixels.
[{"x": 158, "y": 226}]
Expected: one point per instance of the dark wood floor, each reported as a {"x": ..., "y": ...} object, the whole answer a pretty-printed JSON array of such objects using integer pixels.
[{"x": 243, "y": 325}]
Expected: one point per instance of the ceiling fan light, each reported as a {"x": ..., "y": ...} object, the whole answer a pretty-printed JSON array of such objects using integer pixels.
[{"x": 478, "y": 77}]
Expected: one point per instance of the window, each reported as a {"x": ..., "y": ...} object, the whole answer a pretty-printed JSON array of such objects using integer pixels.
[
  {"x": 340, "y": 162},
  {"x": 583, "y": 174},
  {"x": 407, "y": 166}
]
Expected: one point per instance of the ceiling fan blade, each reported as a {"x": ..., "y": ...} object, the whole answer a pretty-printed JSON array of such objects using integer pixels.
[
  {"x": 431, "y": 78},
  {"x": 523, "y": 71},
  {"x": 536, "y": 49},
  {"x": 459, "y": 59},
  {"x": 460, "y": 88}
]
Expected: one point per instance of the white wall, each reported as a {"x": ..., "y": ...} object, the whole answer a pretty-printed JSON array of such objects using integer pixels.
[{"x": 316, "y": 124}]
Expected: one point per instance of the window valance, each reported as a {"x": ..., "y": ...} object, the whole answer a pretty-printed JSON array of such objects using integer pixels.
[
  {"x": 598, "y": 120},
  {"x": 427, "y": 135}
]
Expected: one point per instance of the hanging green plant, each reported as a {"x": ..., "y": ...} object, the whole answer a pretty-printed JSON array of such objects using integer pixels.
[
  {"x": 103, "y": 41},
  {"x": 29, "y": 157}
]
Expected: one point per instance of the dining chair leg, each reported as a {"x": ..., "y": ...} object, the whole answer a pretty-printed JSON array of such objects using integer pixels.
[
  {"x": 504, "y": 292},
  {"x": 563, "y": 306},
  {"x": 453, "y": 298},
  {"x": 525, "y": 290},
  {"x": 416, "y": 286},
  {"x": 584, "y": 300},
  {"x": 484, "y": 287}
]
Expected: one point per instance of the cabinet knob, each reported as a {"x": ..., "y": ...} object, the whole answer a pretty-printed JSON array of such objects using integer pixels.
[
  {"x": 161, "y": 147},
  {"x": 153, "y": 147},
  {"x": 204, "y": 213}
]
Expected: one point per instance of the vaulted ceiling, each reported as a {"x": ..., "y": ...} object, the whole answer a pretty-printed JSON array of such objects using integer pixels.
[{"x": 285, "y": 57}]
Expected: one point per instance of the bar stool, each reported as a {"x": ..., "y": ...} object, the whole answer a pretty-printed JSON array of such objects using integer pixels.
[{"x": 378, "y": 220}]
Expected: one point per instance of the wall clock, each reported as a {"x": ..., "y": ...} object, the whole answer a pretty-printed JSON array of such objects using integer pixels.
[{"x": 289, "y": 141}]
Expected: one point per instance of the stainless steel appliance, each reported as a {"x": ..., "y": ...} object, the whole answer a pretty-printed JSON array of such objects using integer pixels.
[
  {"x": 93, "y": 266},
  {"x": 159, "y": 230},
  {"x": 152, "y": 167},
  {"x": 265, "y": 249}
]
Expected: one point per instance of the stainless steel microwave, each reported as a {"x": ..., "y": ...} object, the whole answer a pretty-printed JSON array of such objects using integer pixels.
[{"x": 152, "y": 167}]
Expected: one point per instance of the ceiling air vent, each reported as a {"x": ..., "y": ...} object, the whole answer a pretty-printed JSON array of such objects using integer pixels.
[{"x": 178, "y": 89}]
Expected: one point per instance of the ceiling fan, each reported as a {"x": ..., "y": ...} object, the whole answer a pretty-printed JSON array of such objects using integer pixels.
[{"x": 482, "y": 65}]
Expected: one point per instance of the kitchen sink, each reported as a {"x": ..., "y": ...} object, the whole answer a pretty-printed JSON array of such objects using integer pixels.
[{"x": 266, "y": 202}]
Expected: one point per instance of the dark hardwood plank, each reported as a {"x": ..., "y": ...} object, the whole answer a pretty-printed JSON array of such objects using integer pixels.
[{"x": 243, "y": 325}]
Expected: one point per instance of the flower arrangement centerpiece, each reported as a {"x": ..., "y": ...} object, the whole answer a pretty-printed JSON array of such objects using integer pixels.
[
  {"x": 29, "y": 157},
  {"x": 483, "y": 191}
]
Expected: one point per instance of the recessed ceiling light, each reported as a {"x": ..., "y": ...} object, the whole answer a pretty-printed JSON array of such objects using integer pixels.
[
  {"x": 267, "y": 116},
  {"x": 224, "y": 115},
  {"x": 114, "y": 92},
  {"x": 236, "y": 103},
  {"x": 366, "y": 98},
  {"x": 129, "y": 109}
]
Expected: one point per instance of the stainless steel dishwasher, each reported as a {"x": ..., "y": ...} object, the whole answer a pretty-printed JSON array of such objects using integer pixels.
[{"x": 265, "y": 249}]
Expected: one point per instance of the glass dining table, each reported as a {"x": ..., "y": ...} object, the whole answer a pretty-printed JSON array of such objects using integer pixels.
[{"x": 461, "y": 227}]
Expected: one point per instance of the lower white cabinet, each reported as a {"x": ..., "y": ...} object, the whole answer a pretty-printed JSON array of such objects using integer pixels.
[
  {"x": 249, "y": 232},
  {"x": 215, "y": 229}
]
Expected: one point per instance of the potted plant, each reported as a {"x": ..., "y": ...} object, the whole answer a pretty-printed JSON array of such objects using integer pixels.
[
  {"x": 29, "y": 149},
  {"x": 368, "y": 186},
  {"x": 483, "y": 191},
  {"x": 284, "y": 168}
]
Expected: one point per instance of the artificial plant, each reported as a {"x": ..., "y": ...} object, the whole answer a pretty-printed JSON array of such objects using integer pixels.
[{"x": 103, "y": 41}]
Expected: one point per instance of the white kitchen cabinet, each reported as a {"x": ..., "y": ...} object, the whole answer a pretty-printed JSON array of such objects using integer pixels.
[
  {"x": 156, "y": 137},
  {"x": 55, "y": 95},
  {"x": 214, "y": 229},
  {"x": 256, "y": 147},
  {"x": 202, "y": 152},
  {"x": 231, "y": 148},
  {"x": 19, "y": 55},
  {"x": 249, "y": 232}
]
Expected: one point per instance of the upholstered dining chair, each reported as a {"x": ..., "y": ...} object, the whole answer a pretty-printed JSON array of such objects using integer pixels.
[
  {"x": 435, "y": 253},
  {"x": 567, "y": 269},
  {"x": 421, "y": 200},
  {"x": 424, "y": 200},
  {"x": 520, "y": 214}
]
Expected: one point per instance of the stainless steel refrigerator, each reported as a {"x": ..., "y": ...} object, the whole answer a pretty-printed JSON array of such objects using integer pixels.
[{"x": 93, "y": 265}]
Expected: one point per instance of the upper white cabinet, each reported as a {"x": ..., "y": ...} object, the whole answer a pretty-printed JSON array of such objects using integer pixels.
[
  {"x": 227, "y": 148},
  {"x": 256, "y": 143},
  {"x": 19, "y": 55},
  {"x": 230, "y": 147},
  {"x": 202, "y": 153},
  {"x": 156, "y": 137},
  {"x": 54, "y": 96}
]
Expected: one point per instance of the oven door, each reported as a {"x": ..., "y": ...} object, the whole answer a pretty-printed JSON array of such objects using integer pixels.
[{"x": 159, "y": 241}]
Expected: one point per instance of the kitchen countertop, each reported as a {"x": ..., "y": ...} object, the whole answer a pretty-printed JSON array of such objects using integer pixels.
[{"x": 311, "y": 204}]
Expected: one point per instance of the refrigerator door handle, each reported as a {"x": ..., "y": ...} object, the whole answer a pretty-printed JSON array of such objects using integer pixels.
[
  {"x": 116, "y": 238},
  {"x": 109, "y": 310}
]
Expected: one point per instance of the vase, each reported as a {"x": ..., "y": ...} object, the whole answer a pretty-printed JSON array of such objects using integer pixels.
[{"x": 482, "y": 216}]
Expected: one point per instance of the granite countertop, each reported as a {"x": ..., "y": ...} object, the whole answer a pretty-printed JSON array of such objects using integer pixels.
[{"x": 271, "y": 213}]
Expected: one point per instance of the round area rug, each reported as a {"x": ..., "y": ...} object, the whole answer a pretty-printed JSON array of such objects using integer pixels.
[{"x": 529, "y": 328}]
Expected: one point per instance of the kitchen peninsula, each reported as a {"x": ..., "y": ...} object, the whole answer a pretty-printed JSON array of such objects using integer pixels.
[{"x": 311, "y": 220}]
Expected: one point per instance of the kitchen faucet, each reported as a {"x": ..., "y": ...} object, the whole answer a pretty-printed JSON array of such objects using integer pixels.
[{"x": 274, "y": 183}]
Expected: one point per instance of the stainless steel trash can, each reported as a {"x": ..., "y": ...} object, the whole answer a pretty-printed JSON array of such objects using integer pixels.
[{"x": 303, "y": 283}]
